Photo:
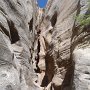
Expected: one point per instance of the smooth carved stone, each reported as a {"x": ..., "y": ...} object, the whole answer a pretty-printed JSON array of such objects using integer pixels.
[{"x": 44, "y": 48}]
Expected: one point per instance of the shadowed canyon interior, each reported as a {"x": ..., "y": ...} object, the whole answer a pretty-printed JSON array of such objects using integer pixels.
[{"x": 43, "y": 46}]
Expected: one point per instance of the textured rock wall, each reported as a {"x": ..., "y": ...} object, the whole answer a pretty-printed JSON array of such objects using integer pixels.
[
  {"x": 15, "y": 43},
  {"x": 43, "y": 49},
  {"x": 81, "y": 54}
]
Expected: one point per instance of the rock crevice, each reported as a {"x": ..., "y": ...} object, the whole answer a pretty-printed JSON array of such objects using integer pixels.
[{"x": 44, "y": 48}]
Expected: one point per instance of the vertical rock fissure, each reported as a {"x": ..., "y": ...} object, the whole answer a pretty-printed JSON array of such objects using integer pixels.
[
  {"x": 13, "y": 32},
  {"x": 44, "y": 48}
]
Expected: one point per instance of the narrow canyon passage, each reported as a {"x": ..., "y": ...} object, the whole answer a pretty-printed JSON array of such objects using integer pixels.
[
  {"x": 50, "y": 74},
  {"x": 43, "y": 45}
]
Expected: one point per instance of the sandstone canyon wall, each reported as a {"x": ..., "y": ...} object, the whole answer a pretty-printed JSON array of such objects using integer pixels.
[{"x": 44, "y": 49}]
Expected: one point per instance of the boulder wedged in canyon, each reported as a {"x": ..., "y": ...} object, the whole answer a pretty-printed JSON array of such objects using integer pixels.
[{"x": 44, "y": 49}]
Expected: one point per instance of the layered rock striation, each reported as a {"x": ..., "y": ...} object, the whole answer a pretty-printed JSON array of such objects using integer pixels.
[{"x": 44, "y": 48}]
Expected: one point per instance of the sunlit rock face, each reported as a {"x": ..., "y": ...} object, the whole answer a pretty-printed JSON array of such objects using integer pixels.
[{"x": 42, "y": 47}]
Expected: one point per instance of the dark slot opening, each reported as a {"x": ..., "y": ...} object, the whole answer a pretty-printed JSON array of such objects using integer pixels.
[
  {"x": 54, "y": 19},
  {"x": 37, "y": 70},
  {"x": 13, "y": 32},
  {"x": 31, "y": 24}
]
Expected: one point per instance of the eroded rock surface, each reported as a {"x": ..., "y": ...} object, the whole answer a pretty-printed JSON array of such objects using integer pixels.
[{"x": 44, "y": 49}]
